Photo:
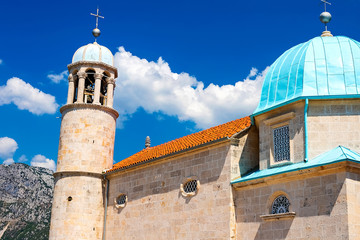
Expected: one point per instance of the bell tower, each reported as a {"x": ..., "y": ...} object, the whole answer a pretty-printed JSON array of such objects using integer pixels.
[{"x": 86, "y": 144}]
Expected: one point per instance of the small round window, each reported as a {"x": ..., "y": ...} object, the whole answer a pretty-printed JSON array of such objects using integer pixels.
[
  {"x": 280, "y": 205},
  {"x": 121, "y": 201},
  {"x": 190, "y": 187}
]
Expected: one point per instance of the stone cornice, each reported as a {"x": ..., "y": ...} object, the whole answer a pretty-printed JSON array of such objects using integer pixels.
[
  {"x": 78, "y": 106},
  {"x": 77, "y": 173},
  {"x": 279, "y": 216},
  {"x": 343, "y": 166}
]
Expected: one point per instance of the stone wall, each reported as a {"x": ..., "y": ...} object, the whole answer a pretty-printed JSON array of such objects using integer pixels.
[
  {"x": 332, "y": 123},
  {"x": 245, "y": 152},
  {"x": 320, "y": 204},
  {"x": 82, "y": 217},
  {"x": 156, "y": 209},
  {"x": 86, "y": 139},
  {"x": 353, "y": 199},
  {"x": 86, "y": 148}
]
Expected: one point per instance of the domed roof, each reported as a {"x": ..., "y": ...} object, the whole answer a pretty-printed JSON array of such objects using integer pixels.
[
  {"x": 94, "y": 52},
  {"x": 323, "y": 67}
]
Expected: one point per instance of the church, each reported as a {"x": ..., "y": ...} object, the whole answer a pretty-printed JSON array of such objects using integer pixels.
[{"x": 290, "y": 170}]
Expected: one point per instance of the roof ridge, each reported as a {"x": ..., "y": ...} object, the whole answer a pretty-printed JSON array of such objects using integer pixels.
[
  {"x": 196, "y": 133},
  {"x": 225, "y": 130},
  {"x": 348, "y": 155}
]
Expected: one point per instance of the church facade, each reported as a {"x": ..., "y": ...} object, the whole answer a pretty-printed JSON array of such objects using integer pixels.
[{"x": 291, "y": 170}]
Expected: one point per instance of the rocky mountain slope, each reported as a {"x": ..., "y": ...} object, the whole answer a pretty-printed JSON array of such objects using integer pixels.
[{"x": 25, "y": 202}]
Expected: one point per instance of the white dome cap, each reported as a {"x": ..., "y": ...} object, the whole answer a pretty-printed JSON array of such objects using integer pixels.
[{"x": 93, "y": 52}]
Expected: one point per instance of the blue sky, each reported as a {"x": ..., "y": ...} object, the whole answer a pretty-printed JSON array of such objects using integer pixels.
[{"x": 212, "y": 60}]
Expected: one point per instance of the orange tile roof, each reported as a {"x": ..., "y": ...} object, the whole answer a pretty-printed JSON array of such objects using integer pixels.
[{"x": 225, "y": 130}]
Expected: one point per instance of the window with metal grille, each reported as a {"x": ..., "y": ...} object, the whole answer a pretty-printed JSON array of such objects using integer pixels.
[
  {"x": 121, "y": 199},
  {"x": 280, "y": 205},
  {"x": 190, "y": 186},
  {"x": 281, "y": 144}
]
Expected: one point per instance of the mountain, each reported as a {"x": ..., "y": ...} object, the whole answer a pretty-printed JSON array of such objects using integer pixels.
[{"x": 25, "y": 202}]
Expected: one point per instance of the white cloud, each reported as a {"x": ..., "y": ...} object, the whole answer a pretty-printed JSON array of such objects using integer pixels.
[
  {"x": 253, "y": 72},
  {"x": 57, "y": 78},
  {"x": 8, "y": 147},
  {"x": 41, "y": 161},
  {"x": 1, "y": 61},
  {"x": 26, "y": 97},
  {"x": 155, "y": 88},
  {"x": 8, "y": 161}
]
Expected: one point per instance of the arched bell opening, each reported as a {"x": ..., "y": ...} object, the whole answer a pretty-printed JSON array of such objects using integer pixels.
[
  {"x": 103, "y": 90},
  {"x": 89, "y": 86},
  {"x": 76, "y": 87}
]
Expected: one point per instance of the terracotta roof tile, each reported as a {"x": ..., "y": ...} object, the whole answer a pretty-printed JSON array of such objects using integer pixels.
[{"x": 224, "y": 130}]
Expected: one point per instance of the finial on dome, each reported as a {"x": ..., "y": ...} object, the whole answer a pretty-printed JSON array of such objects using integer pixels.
[
  {"x": 96, "y": 31},
  {"x": 147, "y": 142},
  {"x": 325, "y": 17}
]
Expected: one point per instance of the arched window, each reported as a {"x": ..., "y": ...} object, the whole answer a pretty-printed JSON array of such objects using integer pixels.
[
  {"x": 103, "y": 90},
  {"x": 76, "y": 83},
  {"x": 89, "y": 86},
  {"x": 281, "y": 204}
]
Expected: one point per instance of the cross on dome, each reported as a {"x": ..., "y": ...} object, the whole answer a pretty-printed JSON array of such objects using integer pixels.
[
  {"x": 325, "y": 17},
  {"x": 325, "y": 2}
]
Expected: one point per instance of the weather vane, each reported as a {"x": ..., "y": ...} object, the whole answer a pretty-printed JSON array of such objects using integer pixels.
[
  {"x": 325, "y": 17},
  {"x": 96, "y": 32}
]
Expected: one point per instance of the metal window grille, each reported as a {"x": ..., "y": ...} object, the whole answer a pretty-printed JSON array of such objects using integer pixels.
[
  {"x": 281, "y": 144},
  {"x": 280, "y": 205},
  {"x": 190, "y": 186},
  {"x": 121, "y": 199}
]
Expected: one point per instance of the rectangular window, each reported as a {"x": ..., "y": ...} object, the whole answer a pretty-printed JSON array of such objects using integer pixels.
[{"x": 281, "y": 144}]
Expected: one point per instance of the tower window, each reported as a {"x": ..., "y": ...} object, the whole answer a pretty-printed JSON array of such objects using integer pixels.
[
  {"x": 280, "y": 205},
  {"x": 281, "y": 144}
]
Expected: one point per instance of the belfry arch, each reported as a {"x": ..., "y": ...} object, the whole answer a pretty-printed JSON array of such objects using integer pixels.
[{"x": 91, "y": 83}]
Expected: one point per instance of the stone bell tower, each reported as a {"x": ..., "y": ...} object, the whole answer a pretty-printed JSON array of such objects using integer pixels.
[{"x": 86, "y": 145}]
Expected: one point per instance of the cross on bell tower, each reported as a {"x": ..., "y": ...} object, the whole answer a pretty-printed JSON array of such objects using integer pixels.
[{"x": 96, "y": 32}]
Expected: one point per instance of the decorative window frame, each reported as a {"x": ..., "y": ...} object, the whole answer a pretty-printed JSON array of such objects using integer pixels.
[
  {"x": 277, "y": 122},
  {"x": 118, "y": 206},
  {"x": 186, "y": 180},
  {"x": 278, "y": 216}
]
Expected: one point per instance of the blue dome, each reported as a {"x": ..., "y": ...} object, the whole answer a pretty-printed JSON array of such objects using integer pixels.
[
  {"x": 94, "y": 52},
  {"x": 323, "y": 67}
]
